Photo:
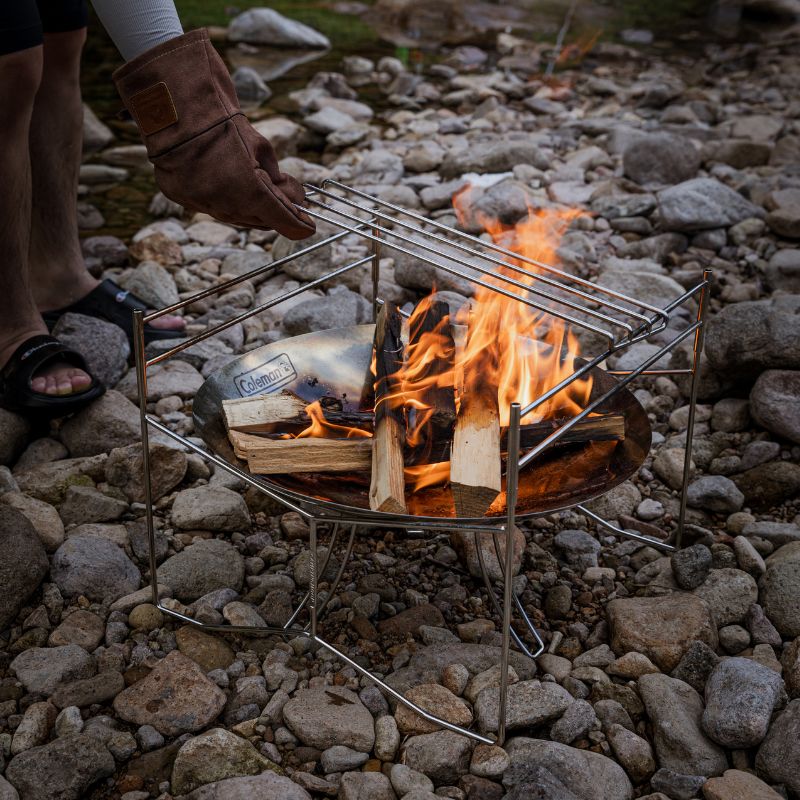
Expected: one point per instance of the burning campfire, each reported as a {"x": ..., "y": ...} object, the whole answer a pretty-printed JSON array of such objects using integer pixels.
[{"x": 442, "y": 387}]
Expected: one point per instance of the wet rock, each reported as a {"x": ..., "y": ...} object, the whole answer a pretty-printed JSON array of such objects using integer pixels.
[
  {"x": 175, "y": 698},
  {"x": 586, "y": 774},
  {"x": 42, "y": 669},
  {"x": 203, "y": 567},
  {"x": 530, "y": 703},
  {"x": 211, "y": 508},
  {"x": 675, "y": 710},
  {"x": 434, "y": 699},
  {"x": 715, "y": 493},
  {"x": 94, "y": 567},
  {"x": 104, "y": 345},
  {"x": 703, "y": 203},
  {"x": 691, "y": 566},
  {"x": 729, "y": 594},
  {"x": 266, "y": 786},
  {"x": 20, "y": 545},
  {"x": 741, "y": 695},
  {"x": 213, "y": 756},
  {"x": 775, "y": 403},
  {"x": 110, "y": 421},
  {"x": 660, "y": 158},
  {"x": 660, "y": 627},
  {"x": 66, "y": 768},
  {"x": 778, "y": 759},
  {"x": 322, "y": 717},
  {"x": 443, "y": 756}
]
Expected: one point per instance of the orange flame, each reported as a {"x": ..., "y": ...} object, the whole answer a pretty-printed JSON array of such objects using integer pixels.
[
  {"x": 575, "y": 51},
  {"x": 323, "y": 429}
]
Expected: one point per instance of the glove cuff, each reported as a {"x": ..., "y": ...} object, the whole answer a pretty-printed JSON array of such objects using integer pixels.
[{"x": 177, "y": 90}]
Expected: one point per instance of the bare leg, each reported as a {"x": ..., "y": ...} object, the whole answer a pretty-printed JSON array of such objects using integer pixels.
[
  {"x": 20, "y": 74},
  {"x": 58, "y": 274}
]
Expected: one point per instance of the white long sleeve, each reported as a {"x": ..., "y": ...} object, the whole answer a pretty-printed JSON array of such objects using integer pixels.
[{"x": 137, "y": 25}]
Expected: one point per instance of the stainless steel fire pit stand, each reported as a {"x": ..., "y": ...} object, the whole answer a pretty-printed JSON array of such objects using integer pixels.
[{"x": 617, "y": 319}]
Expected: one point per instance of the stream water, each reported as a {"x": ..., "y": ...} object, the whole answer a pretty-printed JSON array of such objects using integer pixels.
[{"x": 428, "y": 34}]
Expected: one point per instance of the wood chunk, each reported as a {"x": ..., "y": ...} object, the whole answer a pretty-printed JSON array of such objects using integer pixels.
[
  {"x": 310, "y": 454},
  {"x": 285, "y": 413},
  {"x": 475, "y": 463},
  {"x": 387, "y": 487}
]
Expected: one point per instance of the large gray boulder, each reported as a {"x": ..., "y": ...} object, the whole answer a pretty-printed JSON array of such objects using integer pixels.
[
  {"x": 778, "y": 759},
  {"x": 703, "y": 203},
  {"x": 266, "y": 26},
  {"x": 775, "y": 403}
]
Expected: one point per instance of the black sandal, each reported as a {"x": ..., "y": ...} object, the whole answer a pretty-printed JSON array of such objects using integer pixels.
[
  {"x": 110, "y": 302},
  {"x": 16, "y": 393}
]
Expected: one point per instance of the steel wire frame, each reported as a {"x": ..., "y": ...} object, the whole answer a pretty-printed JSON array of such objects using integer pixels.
[{"x": 641, "y": 325}]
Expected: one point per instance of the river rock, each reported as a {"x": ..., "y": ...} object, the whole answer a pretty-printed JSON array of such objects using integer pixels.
[
  {"x": 266, "y": 786},
  {"x": 497, "y": 155},
  {"x": 210, "y": 508},
  {"x": 464, "y": 544},
  {"x": 737, "y": 785},
  {"x": 203, "y": 567},
  {"x": 703, "y": 203},
  {"x": 434, "y": 699},
  {"x": 250, "y": 86},
  {"x": 443, "y": 756},
  {"x": 660, "y": 158},
  {"x": 268, "y": 27},
  {"x": 44, "y": 518},
  {"x": 94, "y": 567},
  {"x": 64, "y": 769},
  {"x": 175, "y": 698},
  {"x": 20, "y": 545},
  {"x": 110, "y": 421},
  {"x": 124, "y": 469},
  {"x": 775, "y": 403},
  {"x": 213, "y": 756},
  {"x": 778, "y": 759},
  {"x": 741, "y": 695},
  {"x": 729, "y": 594},
  {"x": 42, "y": 669},
  {"x": 715, "y": 493},
  {"x": 574, "y": 723},
  {"x": 691, "y": 565},
  {"x": 338, "y": 308},
  {"x": 81, "y": 627},
  {"x": 660, "y": 627},
  {"x": 769, "y": 484},
  {"x": 586, "y": 774},
  {"x": 675, "y": 711},
  {"x": 780, "y": 596},
  {"x": 363, "y": 785},
  {"x": 325, "y": 716},
  {"x": 633, "y": 752},
  {"x": 783, "y": 271},
  {"x": 530, "y": 703},
  {"x": 754, "y": 336}
]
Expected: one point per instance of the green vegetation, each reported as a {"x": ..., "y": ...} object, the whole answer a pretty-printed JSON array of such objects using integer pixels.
[{"x": 345, "y": 30}]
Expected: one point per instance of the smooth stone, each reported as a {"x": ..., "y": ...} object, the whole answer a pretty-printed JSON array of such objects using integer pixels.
[
  {"x": 202, "y": 568},
  {"x": 735, "y": 784},
  {"x": 780, "y": 595},
  {"x": 662, "y": 628},
  {"x": 44, "y": 518},
  {"x": 65, "y": 768},
  {"x": 125, "y": 464},
  {"x": 211, "y": 508},
  {"x": 703, "y": 203},
  {"x": 266, "y": 26},
  {"x": 323, "y": 717},
  {"x": 775, "y": 403},
  {"x": 729, "y": 594},
  {"x": 175, "y": 698},
  {"x": 214, "y": 756},
  {"x": 81, "y": 627},
  {"x": 586, "y": 774},
  {"x": 778, "y": 758},
  {"x": 110, "y": 421},
  {"x": 266, "y": 786},
  {"x": 362, "y": 785},
  {"x": 434, "y": 699},
  {"x": 715, "y": 493},
  {"x": 741, "y": 695},
  {"x": 675, "y": 710},
  {"x": 633, "y": 752},
  {"x": 100, "y": 688},
  {"x": 443, "y": 756},
  {"x": 574, "y": 723},
  {"x": 94, "y": 567},
  {"x": 208, "y": 651},
  {"x": 530, "y": 703},
  {"x": 660, "y": 158},
  {"x": 42, "y": 669}
]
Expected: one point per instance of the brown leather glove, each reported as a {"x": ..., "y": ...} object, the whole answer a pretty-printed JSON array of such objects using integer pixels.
[{"x": 207, "y": 156}]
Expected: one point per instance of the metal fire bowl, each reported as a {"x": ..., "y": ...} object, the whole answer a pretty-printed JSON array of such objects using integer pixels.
[{"x": 336, "y": 362}]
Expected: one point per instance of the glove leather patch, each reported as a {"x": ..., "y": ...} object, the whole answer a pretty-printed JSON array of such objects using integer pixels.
[{"x": 153, "y": 109}]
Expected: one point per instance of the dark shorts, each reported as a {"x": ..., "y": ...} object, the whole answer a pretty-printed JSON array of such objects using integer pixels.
[{"x": 23, "y": 22}]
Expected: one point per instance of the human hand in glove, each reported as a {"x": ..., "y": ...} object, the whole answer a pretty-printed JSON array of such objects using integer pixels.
[{"x": 207, "y": 155}]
